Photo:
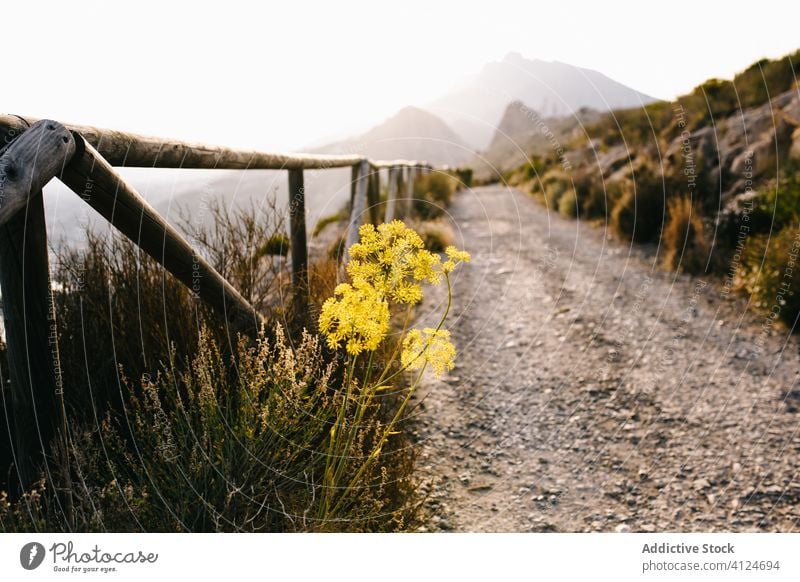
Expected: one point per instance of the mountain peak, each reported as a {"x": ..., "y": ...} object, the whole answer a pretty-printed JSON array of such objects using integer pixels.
[
  {"x": 514, "y": 57},
  {"x": 411, "y": 133},
  {"x": 550, "y": 87},
  {"x": 410, "y": 111}
]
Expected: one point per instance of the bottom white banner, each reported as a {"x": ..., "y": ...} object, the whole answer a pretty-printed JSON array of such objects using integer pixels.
[{"x": 401, "y": 557}]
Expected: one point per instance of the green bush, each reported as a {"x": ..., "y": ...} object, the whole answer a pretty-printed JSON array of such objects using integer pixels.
[
  {"x": 568, "y": 204},
  {"x": 767, "y": 78},
  {"x": 323, "y": 222},
  {"x": 771, "y": 274},
  {"x": 638, "y": 215},
  {"x": 275, "y": 246},
  {"x": 777, "y": 205},
  {"x": 595, "y": 197},
  {"x": 464, "y": 176},
  {"x": 554, "y": 183}
]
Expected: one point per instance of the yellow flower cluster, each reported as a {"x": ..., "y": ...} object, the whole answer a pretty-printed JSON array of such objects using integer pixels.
[
  {"x": 432, "y": 346},
  {"x": 357, "y": 315},
  {"x": 392, "y": 258},
  {"x": 387, "y": 264},
  {"x": 454, "y": 257}
]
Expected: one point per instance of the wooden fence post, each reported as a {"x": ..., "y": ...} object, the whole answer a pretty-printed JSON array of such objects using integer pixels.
[
  {"x": 408, "y": 202},
  {"x": 391, "y": 194},
  {"x": 359, "y": 205},
  {"x": 26, "y": 165},
  {"x": 299, "y": 248},
  {"x": 374, "y": 194}
]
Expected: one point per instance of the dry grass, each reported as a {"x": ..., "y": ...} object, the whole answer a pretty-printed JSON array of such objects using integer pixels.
[
  {"x": 179, "y": 426},
  {"x": 684, "y": 239}
]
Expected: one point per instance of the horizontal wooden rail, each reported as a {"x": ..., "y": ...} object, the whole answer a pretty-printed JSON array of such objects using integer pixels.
[
  {"x": 382, "y": 164},
  {"x": 120, "y": 148},
  {"x": 105, "y": 190},
  {"x": 32, "y": 152}
]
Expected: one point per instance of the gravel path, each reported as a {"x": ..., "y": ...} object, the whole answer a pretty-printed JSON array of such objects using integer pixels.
[{"x": 596, "y": 392}]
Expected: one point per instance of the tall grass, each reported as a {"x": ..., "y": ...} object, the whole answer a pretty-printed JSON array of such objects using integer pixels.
[
  {"x": 178, "y": 425},
  {"x": 685, "y": 243}
]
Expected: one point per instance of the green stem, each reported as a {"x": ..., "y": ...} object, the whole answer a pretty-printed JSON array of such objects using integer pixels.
[
  {"x": 343, "y": 455},
  {"x": 396, "y": 350},
  {"x": 384, "y": 437},
  {"x": 329, "y": 482},
  {"x": 438, "y": 327}
]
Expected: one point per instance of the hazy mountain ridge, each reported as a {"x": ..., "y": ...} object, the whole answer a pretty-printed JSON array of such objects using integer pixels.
[
  {"x": 465, "y": 121},
  {"x": 553, "y": 88},
  {"x": 442, "y": 134},
  {"x": 411, "y": 133},
  {"x": 524, "y": 132}
]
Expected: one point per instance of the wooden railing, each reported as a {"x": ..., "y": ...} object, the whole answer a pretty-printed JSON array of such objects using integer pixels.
[{"x": 33, "y": 152}]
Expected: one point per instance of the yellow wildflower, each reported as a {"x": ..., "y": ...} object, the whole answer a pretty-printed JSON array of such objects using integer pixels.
[
  {"x": 392, "y": 258},
  {"x": 357, "y": 315},
  {"x": 388, "y": 263},
  {"x": 428, "y": 346},
  {"x": 425, "y": 267},
  {"x": 454, "y": 258}
]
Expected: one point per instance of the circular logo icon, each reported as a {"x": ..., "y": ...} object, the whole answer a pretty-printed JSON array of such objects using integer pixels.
[{"x": 31, "y": 555}]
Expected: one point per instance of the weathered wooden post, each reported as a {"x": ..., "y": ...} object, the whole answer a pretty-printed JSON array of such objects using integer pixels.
[
  {"x": 28, "y": 163},
  {"x": 408, "y": 202},
  {"x": 374, "y": 195},
  {"x": 391, "y": 194},
  {"x": 400, "y": 193},
  {"x": 299, "y": 249},
  {"x": 359, "y": 204}
]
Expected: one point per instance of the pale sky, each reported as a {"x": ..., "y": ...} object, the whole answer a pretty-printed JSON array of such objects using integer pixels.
[{"x": 280, "y": 75}]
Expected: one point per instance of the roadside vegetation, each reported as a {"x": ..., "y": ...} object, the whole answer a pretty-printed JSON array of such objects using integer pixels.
[
  {"x": 712, "y": 180},
  {"x": 178, "y": 424}
]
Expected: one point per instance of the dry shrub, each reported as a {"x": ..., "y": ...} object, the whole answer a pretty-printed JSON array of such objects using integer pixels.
[
  {"x": 178, "y": 425},
  {"x": 433, "y": 193},
  {"x": 595, "y": 199},
  {"x": 686, "y": 247},
  {"x": 247, "y": 246},
  {"x": 224, "y": 444},
  {"x": 117, "y": 307},
  {"x": 436, "y": 234}
]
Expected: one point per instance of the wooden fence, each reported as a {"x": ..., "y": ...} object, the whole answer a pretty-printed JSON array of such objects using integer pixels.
[{"x": 33, "y": 152}]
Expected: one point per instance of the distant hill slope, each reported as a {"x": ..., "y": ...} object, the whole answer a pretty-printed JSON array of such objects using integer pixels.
[
  {"x": 410, "y": 134},
  {"x": 552, "y": 88},
  {"x": 523, "y": 132}
]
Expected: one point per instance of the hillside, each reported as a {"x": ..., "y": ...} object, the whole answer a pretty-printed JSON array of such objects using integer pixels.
[
  {"x": 524, "y": 132},
  {"x": 713, "y": 178},
  {"x": 410, "y": 134},
  {"x": 552, "y": 88}
]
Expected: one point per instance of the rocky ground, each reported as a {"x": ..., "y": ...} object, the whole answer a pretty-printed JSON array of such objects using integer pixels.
[{"x": 596, "y": 392}]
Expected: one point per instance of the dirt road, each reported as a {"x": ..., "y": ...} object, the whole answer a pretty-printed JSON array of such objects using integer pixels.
[{"x": 596, "y": 392}]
